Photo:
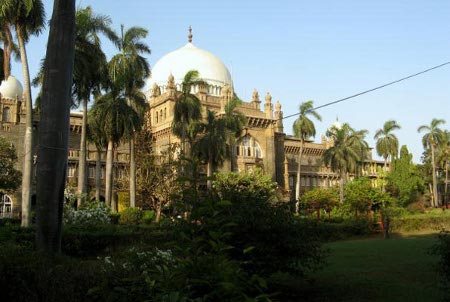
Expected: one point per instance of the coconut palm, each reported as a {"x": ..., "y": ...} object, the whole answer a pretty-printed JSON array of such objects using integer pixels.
[
  {"x": 7, "y": 39},
  {"x": 432, "y": 138},
  {"x": 187, "y": 110},
  {"x": 96, "y": 135},
  {"x": 303, "y": 129},
  {"x": 212, "y": 145},
  {"x": 128, "y": 70},
  {"x": 443, "y": 158},
  {"x": 119, "y": 122},
  {"x": 235, "y": 122},
  {"x": 89, "y": 71},
  {"x": 28, "y": 18},
  {"x": 348, "y": 151},
  {"x": 387, "y": 142},
  {"x": 54, "y": 124},
  {"x": 2, "y": 71}
]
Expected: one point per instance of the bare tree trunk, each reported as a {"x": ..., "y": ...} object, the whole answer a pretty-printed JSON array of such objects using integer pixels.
[
  {"x": 297, "y": 184},
  {"x": 27, "y": 176},
  {"x": 341, "y": 187},
  {"x": 132, "y": 174},
  {"x": 383, "y": 189},
  {"x": 7, "y": 51},
  {"x": 209, "y": 173},
  {"x": 98, "y": 173},
  {"x": 435, "y": 194},
  {"x": 54, "y": 127},
  {"x": 82, "y": 157},
  {"x": 158, "y": 214},
  {"x": 446, "y": 184},
  {"x": 109, "y": 173}
]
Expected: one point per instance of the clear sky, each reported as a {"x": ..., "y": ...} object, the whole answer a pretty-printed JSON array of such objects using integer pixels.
[{"x": 308, "y": 50}]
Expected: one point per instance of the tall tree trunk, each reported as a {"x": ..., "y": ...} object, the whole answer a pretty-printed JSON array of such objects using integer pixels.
[
  {"x": 98, "y": 173},
  {"x": 158, "y": 214},
  {"x": 27, "y": 176},
  {"x": 109, "y": 173},
  {"x": 209, "y": 173},
  {"x": 435, "y": 195},
  {"x": 82, "y": 157},
  {"x": 7, "y": 51},
  {"x": 383, "y": 189},
  {"x": 297, "y": 184},
  {"x": 132, "y": 174},
  {"x": 54, "y": 127},
  {"x": 341, "y": 187},
  {"x": 446, "y": 184}
]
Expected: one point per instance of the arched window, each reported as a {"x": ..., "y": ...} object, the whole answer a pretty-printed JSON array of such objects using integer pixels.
[
  {"x": 5, "y": 205},
  {"x": 156, "y": 116},
  {"x": 161, "y": 115},
  {"x": 6, "y": 116},
  {"x": 248, "y": 147},
  {"x": 165, "y": 113}
]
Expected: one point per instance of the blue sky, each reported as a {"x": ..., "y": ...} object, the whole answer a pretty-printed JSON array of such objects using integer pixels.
[{"x": 308, "y": 50}]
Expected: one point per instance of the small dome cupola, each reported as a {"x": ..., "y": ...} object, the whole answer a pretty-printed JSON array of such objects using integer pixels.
[{"x": 11, "y": 89}]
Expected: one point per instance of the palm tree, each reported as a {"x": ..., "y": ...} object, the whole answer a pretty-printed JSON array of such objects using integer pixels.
[
  {"x": 119, "y": 122},
  {"x": 90, "y": 71},
  {"x": 28, "y": 18},
  {"x": 234, "y": 123},
  {"x": 347, "y": 152},
  {"x": 2, "y": 60},
  {"x": 187, "y": 110},
  {"x": 96, "y": 135},
  {"x": 443, "y": 157},
  {"x": 6, "y": 38},
  {"x": 303, "y": 129},
  {"x": 387, "y": 142},
  {"x": 128, "y": 70},
  {"x": 432, "y": 138},
  {"x": 53, "y": 134},
  {"x": 212, "y": 145}
]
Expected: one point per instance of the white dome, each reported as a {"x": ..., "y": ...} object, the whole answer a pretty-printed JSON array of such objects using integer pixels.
[
  {"x": 186, "y": 58},
  {"x": 11, "y": 89}
]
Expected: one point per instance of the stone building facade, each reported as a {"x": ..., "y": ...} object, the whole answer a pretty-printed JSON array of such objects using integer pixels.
[{"x": 263, "y": 143}]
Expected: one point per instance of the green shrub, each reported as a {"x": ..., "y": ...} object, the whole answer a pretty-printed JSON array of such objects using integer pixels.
[
  {"x": 416, "y": 207},
  {"x": 342, "y": 229},
  {"x": 29, "y": 276},
  {"x": 148, "y": 217},
  {"x": 114, "y": 217},
  {"x": 131, "y": 216},
  {"x": 265, "y": 236},
  {"x": 90, "y": 213},
  {"x": 418, "y": 222}
]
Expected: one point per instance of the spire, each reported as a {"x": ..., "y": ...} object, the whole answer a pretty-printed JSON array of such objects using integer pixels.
[{"x": 190, "y": 34}]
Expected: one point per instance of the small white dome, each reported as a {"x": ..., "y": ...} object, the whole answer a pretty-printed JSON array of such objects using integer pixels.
[
  {"x": 11, "y": 88},
  {"x": 186, "y": 58}
]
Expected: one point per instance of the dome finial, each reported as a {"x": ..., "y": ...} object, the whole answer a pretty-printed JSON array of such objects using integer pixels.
[{"x": 190, "y": 34}]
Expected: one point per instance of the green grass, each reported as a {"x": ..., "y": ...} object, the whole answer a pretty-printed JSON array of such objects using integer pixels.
[{"x": 399, "y": 269}]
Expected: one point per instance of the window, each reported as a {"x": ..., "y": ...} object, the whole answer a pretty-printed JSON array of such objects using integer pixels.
[
  {"x": 248, "y": 147},
  {"x": 91, "y": 172},
  {"x": 71, "y": 171},
  {"x": 6, "y": 116},
  {"x": 5, "y": 205}
]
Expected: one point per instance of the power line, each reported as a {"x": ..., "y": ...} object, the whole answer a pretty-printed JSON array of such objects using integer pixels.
[{"x": 373, "y": 89}]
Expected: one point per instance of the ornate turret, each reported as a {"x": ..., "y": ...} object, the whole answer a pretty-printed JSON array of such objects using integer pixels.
[
  {"x": 171, "y": 88},
  {"x": 227, "y": 95},
  {"x": 268, "y": 107},
  {"x": 255, "y": 99},
  {"x": 279, "y": 118},
  {"x": 156, "y": 91}
]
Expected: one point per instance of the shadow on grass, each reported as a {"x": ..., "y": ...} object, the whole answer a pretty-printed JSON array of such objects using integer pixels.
[{"x": 374, "y": 269}]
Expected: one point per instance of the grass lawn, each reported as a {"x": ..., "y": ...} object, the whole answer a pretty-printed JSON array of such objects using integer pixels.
[{"x": 399, "y": 269}]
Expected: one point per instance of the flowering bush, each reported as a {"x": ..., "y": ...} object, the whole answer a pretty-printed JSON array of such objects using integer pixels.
[{"x": 91, "y": 213}]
